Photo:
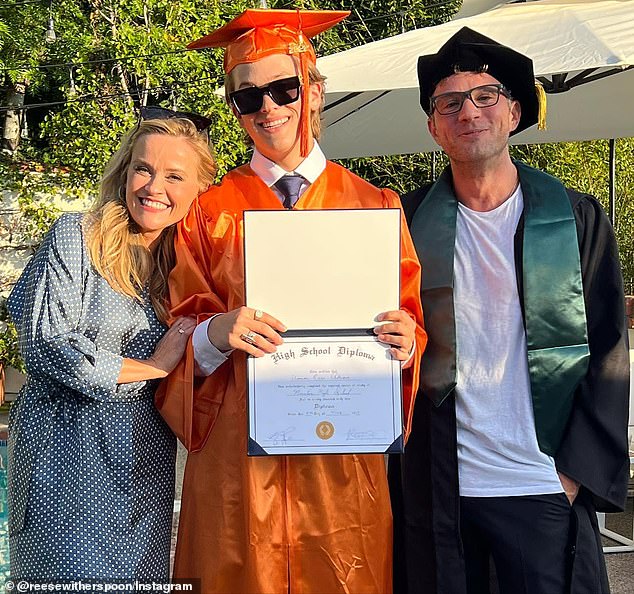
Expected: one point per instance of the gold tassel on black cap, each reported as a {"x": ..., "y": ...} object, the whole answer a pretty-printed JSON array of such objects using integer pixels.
[{"x": 541, "y": 106}]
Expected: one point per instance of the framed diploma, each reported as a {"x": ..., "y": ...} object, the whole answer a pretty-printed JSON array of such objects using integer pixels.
[{"x": 331, "y": 387}]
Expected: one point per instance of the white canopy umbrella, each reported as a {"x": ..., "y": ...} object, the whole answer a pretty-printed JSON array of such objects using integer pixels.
[
  {"x": 472, "y": 7},
  {"x": 583, "y": 52}
]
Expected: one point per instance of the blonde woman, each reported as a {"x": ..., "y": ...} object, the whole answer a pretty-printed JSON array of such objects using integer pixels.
[{"x": 91, "y": 474}]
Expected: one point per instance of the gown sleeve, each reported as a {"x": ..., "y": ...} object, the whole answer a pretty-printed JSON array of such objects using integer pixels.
[
  {"x": 190, "y": 404},
  {"x": 46, "y": 307},
  {"x": 410, "y": 302},
  {"x": 594, "y": 448}
]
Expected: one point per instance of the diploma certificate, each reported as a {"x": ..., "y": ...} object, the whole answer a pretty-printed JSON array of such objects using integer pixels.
[
  {"x": 325, "y": 395},
  {"x": 326, "y": 274}
]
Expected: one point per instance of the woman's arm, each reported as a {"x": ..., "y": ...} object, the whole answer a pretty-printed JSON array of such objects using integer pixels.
[{"x": 46, "y": 306}]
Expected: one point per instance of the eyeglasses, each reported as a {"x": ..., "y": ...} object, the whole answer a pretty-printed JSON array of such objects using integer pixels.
[
  {"x": 154, "y": 112},
  {"x": 482, "y": 96},
  {"x": 250, "y": 99}
]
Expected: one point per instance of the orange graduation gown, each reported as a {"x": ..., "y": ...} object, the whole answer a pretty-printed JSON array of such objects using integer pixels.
[{"x": 278, "y": 524}]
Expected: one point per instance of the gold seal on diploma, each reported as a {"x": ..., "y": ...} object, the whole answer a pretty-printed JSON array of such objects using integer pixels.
[{"x": 325, "y": 430}]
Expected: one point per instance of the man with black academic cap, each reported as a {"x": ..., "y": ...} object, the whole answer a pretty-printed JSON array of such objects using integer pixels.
[{"x": 519, "y": 434}]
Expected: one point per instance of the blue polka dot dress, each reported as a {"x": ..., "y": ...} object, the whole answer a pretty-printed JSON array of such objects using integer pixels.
[{"x": 91, "y": 463}]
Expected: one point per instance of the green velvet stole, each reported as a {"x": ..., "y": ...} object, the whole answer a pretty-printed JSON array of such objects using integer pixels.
[{"x": 554, "y": 308}]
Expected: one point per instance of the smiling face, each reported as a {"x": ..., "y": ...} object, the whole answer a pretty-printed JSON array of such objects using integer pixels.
[
  {"x": 473, "y": 135},
  {"x": 274, "y": 129},
  {"x": 161, "y": 182}
]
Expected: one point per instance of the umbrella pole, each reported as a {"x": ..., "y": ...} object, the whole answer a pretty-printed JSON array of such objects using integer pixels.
[{"x": 612, "y": 146}]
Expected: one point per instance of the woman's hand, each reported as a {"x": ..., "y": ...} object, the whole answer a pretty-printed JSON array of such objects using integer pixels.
[
  {"x": 245, "y": 329},
  {"x": 398, "y": 331},
  {"x": 169, "y": 350}
]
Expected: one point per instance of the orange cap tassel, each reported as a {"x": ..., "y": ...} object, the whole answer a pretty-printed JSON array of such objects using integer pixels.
[{"x": 305, "y": 115}]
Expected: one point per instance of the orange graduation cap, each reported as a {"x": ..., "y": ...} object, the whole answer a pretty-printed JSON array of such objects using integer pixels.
[{"x": 259, "y": 32}]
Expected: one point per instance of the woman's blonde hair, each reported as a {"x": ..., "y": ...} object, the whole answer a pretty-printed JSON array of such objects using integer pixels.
[
  {"x": 314, "y": 77},
  {"x": 117, "y": 250}
]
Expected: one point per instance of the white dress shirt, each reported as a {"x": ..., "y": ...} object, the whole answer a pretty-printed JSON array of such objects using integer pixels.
[{"x": 270, "y": 173}]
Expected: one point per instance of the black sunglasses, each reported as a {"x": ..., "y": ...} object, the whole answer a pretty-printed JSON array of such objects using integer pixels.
[
  {"x": 154, "y": 112},
  {"x": 250, "y": 99}
]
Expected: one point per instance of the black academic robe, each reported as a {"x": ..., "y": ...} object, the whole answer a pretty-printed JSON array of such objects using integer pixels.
[{"x": 424, "y": 481}]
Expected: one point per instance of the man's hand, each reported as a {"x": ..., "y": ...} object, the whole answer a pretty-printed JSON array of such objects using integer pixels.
[
  {"x": 571, "y": 487},
  {"x": 398, "y": 331},
  {"x": 250, "y": 330}
]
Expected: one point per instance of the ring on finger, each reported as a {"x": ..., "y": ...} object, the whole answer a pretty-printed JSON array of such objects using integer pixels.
[
  {"x": 258, "y": 314},
  {"x": 180, "y": 330},
  {"x": 249, "y": 337}
]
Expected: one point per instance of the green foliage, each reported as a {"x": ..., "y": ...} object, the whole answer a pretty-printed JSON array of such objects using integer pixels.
[
  {"x": 401, "y": 173},
  {"x": 126, "y": 53},
  {"x": 85, "y": 135},
  {"x": 372, "y": 20},
  {"x": 83, "y": 130},
  {"x": 38, "y": 217},
  {"x": 22, "y": 48},
  {"x": 43, "y": 193},
  {"x": 584, "y": 166},
  {"x": 9, "y": 352}
]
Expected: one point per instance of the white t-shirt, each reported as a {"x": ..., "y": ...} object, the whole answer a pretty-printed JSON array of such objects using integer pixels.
[{"x": 498, "y": 454}]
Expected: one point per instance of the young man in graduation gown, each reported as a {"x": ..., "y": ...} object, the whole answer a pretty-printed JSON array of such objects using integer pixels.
[
  {"x": 275, "y": 524},
  {"x": 519, "y": 434}
]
